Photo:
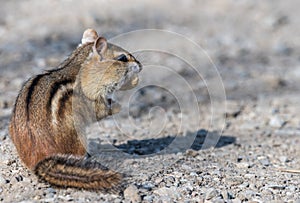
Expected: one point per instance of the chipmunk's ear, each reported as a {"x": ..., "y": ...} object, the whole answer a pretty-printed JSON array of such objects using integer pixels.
[
  {"x": 89, "y": 35},
  {"x": 100, "y": 46}
]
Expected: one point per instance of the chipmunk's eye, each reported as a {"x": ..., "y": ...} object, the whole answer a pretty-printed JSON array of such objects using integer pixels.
[{"x": 122, "y": 58}]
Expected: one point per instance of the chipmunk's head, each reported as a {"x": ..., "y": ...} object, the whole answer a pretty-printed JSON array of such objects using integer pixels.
[{"x": 108, "y": 68}]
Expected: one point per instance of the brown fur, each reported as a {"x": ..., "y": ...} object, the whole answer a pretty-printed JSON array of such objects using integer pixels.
[{"x": 44, "y": 123}]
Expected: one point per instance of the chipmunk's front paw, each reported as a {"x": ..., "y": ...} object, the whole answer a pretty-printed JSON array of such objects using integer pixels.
[{"x": 114, "y": 108}]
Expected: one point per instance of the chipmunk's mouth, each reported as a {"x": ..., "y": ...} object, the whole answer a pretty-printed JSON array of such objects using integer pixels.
[
  {"x": 129, "y": 82},
  {"x": 110, "y": 99}
]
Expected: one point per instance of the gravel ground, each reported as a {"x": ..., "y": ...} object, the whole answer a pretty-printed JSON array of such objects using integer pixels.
[{"x": 183, "y": 135}]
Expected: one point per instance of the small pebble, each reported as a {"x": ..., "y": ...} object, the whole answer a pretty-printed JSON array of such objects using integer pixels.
[
  {"x": 37, "y": 197},
  {"x": 243, "y": 165},
  {"x": 265, "y": 162},
  {"x": 233, "y": 109},
  {"x": 149, "y": 185},
  {"x": 192, "y": 153},
  {"x": 236, "y": 200},
  {"x": 225, "y": 195},
  {"x": 276, "y": 122},
  {"x": 277, "y": 187},
  {"x": 249, "y": 176},
  {"x": 2, "y": 181},
  {"x": 157, "y": 180},
  {"x": 148, "y": 198},
  {"x": 189, "y": 187},
  {"x": 3, "y": 134},
  {"x": 283, "y": 159},
  {"x": 287, "y": 132},
  {"x": 167, "y": 192},
  {"x": 131, "y": 194},
  {"x": 211, "y": 193},
  {"x": 232, "y": 181},
  {"x": 4, "y": 160}
]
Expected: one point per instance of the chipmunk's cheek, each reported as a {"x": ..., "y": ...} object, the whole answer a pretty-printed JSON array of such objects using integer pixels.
[
  {"x": 131, "y": 79},
  {"x": 130, "y": 82}
]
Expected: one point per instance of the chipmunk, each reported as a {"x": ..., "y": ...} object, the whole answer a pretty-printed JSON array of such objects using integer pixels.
[{"x": 43, "y": 125}]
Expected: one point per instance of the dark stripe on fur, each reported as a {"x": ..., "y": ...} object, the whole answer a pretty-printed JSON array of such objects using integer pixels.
[
  {"x": 31, "y": 89},
  {"x": 78, "y": 172},
  {"x": 66, "y": 96},
  {"x": 54, "y": 88}
]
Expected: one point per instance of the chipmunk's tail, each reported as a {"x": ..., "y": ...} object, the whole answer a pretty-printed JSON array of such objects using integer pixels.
[{"x": 78, "y": 172}]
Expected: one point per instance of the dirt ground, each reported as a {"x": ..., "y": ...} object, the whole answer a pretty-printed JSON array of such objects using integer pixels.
[{"x": 214, "y": 119}]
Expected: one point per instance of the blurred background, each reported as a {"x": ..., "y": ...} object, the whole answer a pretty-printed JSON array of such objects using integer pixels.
[{"x": 255, "y": 44}]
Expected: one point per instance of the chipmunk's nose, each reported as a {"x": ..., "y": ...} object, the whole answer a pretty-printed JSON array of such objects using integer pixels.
[{"x": 136, "y": 67}]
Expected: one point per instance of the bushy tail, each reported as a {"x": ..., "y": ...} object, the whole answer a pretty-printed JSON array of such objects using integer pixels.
[{"x": 78, "y": 172}]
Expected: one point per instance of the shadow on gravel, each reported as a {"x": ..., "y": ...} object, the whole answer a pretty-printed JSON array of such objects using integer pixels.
[{"x": 198, "y": 140}]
